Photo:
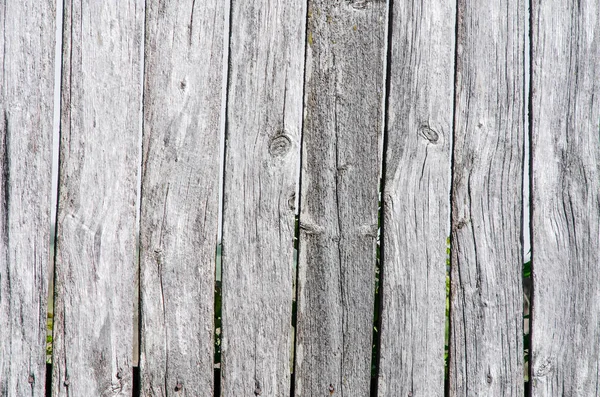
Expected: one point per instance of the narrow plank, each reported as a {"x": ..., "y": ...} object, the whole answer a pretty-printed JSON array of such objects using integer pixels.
[
  {"x": 180, "y": 191},
  {"x": 566, "y": 202},
  {"x": 27, "y": 44},
  {"x": 415, "y": 199},
  {"x": 96, "y": 253},
  {"x": 264, "y": 112},
  {"x": 486, "y": 350},
  {"x": 340, "y": 182}
]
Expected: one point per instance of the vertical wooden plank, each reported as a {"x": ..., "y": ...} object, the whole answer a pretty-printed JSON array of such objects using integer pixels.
[
  {"x": 99, "y": 158},
  {"x": 180, "y": 189},
  {"x": 340, "y": 182},
  {"x": 487, "y": 300},
  {"x": 416, "y": 198},
  {"x": 566, "y": 203},
  {"x": 26, "y": 98},
  {"x": 264, "y": 110}
]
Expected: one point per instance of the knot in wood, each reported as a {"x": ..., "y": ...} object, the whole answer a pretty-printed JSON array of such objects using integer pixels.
[
  {"x": 30, "y": 379},
  {"x": 429, "y": 134},
  {"x": 279, "y": 145},
  {"x": 544, "y": 368}
]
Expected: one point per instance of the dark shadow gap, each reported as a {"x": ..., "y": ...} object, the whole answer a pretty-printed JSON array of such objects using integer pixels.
[
  {"x": 295, "y": 302},
  {"x": 449, "y": 291},
  {"x": 57, "y": 101},
  {"x": 135, "y": 383},
  {"x": 218, "y": 296},
  {"x": 296, "y": 242},
  {"x": 138, "y": 312},
  {"x": 48, "y": 380},
  {"x": 380, "y": 257},
  {"x": 447, "y": 317},
  {"x": 377, "y": 307},
  {"x": 529, "y": 165},
  {"x": 217, "y": 323}
]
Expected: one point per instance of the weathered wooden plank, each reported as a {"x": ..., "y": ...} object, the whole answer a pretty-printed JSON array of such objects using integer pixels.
[
  {"x": 26, "y": 98},
  {"x": 415, "y": 199},
  {"x": 99, "y": 158},
  {"x": 180, "y": 189},
  {"x": 566, "y": 203},
  {"x": 340, "y": 182},
  {"x": 264, "y": 111},
  {"x": 486, "y": 350}
]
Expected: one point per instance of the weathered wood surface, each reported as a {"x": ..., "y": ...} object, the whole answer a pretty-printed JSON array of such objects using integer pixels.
[
  {"x": 566, "y": 203},
  {"x": 415, "y": 199},
  {"x": 486, "y": 299},
  {"x": 340, "y": 181},
  {"x": 264, "y": 111},
  {"x": 99, "y": 158},
  {"x": 180, "y": 189},
  {"x": 26, "y": 100}
]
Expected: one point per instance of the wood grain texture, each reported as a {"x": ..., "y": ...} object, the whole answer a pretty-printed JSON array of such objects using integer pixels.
[
  {"x": 415, "y": 199},
  {"x": 566, "y": 202},
  {"x": 340, "y": 182},
  {"x": 99, "y": 158},
  {"x": 264, "y": 111},
  {"x": 180, "y": 189},
  {"x": 486, "y": 346},
  {"x": 26, "y": 103}
]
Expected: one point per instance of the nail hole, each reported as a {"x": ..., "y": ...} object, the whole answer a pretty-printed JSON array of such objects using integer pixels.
[{"x": 257, "y": 390}]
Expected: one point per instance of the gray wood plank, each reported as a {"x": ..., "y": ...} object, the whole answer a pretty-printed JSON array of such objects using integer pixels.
[
  {"x": 180, "y": 189},
  {"x": 566, "y": 203},
  {"x": 27, "y": 44},
  {"x": 416, "y": 199},
  {"x": 99, "y": 158},
  {"x": 486, "y": 299},
  {"x": 264, "y": 111},
  {"x": 340, "y": 182}
]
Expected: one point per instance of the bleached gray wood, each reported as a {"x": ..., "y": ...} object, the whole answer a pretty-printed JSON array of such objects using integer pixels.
[
  {"x": 26, "y": 98},
  {"x": 486, "y": 346},
  {"x": 264, "y": 110},
  {"x": 180, "y": 189},
  {"x": 99, "y": 158},
  {"x": 416, "y": 199},
  {"x": 340, "y": 181},
  {"x": 566, "y": 203}
]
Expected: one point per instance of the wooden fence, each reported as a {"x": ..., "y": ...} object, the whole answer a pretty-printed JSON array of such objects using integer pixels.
[{"x": 447, "y": 97}]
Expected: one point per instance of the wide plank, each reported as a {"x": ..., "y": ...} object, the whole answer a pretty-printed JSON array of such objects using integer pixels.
[
  {"x": 27, "y": 43},
  {"x": 264, "y": 113},
  {"x": 415, "y": 198},
  {"x": 340, "y": 186},
  {"x": 565, "y": 351},
  {"x": 180, "y": 189},
  {"x": 99, "y": 159},
  {"x": 486, "y": 346}
]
